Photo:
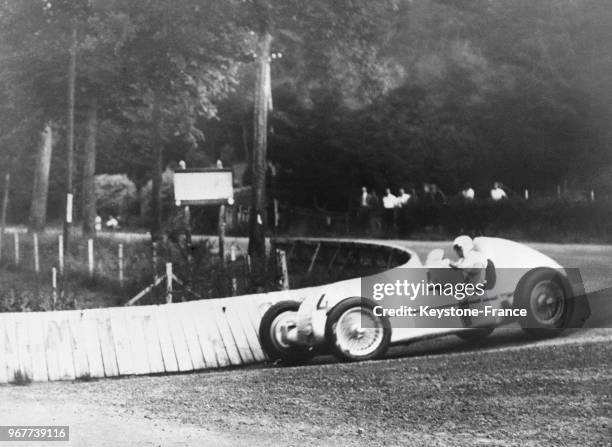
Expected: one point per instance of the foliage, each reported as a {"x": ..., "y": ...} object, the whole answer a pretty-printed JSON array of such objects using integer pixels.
[
  {"x": 115, "y": 194},
  {"x": 381, "y": 93}
]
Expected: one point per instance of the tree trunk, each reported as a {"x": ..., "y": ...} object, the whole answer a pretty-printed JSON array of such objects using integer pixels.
[
  {"x": 89, "y": 170},
  {"x": 70, "y": 136},
  {"x": 258, "y": 218},
  {"x": 156, "y": 190},
  {"x": 38, "y": 208}
]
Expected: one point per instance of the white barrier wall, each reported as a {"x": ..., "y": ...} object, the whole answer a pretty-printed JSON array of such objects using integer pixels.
[
  {"x": 108, "y": 342},
  {"x": 188, "y": 336}
]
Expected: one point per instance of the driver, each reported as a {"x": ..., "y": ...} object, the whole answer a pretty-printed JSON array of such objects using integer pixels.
[{"x": 471, "y": 262}]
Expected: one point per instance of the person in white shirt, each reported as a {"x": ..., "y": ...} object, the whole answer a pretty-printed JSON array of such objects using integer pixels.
[
  {"x": 389, "y": 204},
  {"x": 98, "y": 223},
  {"x": 497, "y": 193},
  {"x": 467, "y": 192},
  {"x": 364, "y": 196},
  {"x": 403, "y": 198},
  {"x": 112, "y": 223}
]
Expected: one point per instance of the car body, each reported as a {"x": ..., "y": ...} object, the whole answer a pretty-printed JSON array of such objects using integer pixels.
[{"x": 336, "y": 316}]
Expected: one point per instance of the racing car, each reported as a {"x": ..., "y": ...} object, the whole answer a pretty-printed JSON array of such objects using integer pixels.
[{"x": 337, "y": 318}]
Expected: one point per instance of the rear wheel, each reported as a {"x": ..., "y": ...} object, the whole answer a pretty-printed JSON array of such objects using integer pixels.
[
  {"x": 278, "y": 316},
  {"x": 355, "y": 333},
  {"x": 543, "y": 295}
]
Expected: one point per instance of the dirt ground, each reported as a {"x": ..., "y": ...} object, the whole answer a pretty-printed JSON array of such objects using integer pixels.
[{"x": 507, "y": 390}]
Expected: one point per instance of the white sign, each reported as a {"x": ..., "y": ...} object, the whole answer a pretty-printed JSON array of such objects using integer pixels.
[
  {"x": 69, "y": 208},
  {"x": 203, "y": 186}
]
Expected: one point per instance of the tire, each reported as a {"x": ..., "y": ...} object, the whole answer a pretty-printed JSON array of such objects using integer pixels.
[
  {"x": 344, "y": 327},
  {"x": 274, "y": 348},
  {"x": 475, "y": 335},
  {"x": 544, "y": 294}
]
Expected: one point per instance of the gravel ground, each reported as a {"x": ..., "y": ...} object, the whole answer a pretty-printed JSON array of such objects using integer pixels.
[
  {"x": 555, "y": 392},
  {"x": 506, "y": 391}
]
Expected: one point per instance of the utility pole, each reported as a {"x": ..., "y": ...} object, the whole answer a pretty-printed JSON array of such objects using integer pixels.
[
  {"x": 258, "y": 216},
  {"x": 70, "y": 135}
]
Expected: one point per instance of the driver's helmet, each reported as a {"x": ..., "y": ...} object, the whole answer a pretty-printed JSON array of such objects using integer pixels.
[{"x": 465, "y": 243}]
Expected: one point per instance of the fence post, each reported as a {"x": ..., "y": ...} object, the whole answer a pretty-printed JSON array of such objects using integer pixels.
[
  {"x": 90, "y": 257},
  {"x": 60, "y": 253},
  {"x": 276, "y": 215},
  {"x": 233, "y": 260},
  {"x": 16, "y": 240},
  {"x": 154, "y": 261},
  {"x": 284, "y": 270},
  {"x": 222, "y": 234},
  {"x": 36, "y": 254},
  {"x": 120, "y": 265},
  {"x": 54, "y": 287},
  {"x": 168, "y": 282},
  {"x": 5, "y": 199}
]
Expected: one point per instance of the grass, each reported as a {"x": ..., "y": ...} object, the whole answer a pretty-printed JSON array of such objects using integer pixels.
[{"x": 24, "y": 290}]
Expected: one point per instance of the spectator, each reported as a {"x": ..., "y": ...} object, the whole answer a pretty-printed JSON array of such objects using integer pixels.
[
  {"x": 467, "y": 192},
  {"x": 437, "y": 196},
  {"x": 112, "y": 223},
  {"x": 98, "y": 223},
  {"x": 389, "y": 204},
  {"x": 403, "y": 219},
  {"x": 374, "y": 204},
  {"x": 427, "y": 196},
  {"x": 497, "y": 193},
  {"x": 365, "y": 211},
  {"x": 403, "y": 198}
]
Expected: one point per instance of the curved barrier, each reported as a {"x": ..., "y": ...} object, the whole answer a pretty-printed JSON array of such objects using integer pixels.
[{"x": 194, "y": 335}]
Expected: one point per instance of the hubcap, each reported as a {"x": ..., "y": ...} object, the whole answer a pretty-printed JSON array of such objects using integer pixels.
[
  {"x": 358, "y": 332},
  {"x": 547, "y": 302},
  {"x": 282, "y": 320}
]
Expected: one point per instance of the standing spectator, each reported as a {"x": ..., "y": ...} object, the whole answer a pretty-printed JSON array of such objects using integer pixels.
[
  {"x": 98, "y": 223},
  {"x": 497, "y": 193},
  {"x": 364, "y": 208},
  {"x": 403, "y": 198},
  {"x": 374, "y": 203},
  {"x": 427, "y": 196},
  {"x": 112, "y": 223},
  {"x": 467, "y": 192},
  {"x": 389, "y": 204},
  {"x": 437, "y": 195}
]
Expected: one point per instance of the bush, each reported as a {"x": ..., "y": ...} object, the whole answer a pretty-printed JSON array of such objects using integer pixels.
[{"x": 115, "y": 195}]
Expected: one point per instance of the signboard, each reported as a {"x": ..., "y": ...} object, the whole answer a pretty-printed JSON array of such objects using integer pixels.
[{"x": 203, "y": 186}]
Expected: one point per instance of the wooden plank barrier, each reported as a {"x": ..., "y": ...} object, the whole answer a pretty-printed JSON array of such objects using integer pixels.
[{"x": 120, "y": 341}]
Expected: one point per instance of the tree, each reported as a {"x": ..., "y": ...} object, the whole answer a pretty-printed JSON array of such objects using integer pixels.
[
  {"x": 178, "y": 59},
  {"x": 312, "y": 28},
  {"x": 38, "y": 210}
]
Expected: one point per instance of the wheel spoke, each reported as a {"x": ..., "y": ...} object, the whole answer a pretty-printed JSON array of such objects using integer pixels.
[{"x": 358, "y": 332}]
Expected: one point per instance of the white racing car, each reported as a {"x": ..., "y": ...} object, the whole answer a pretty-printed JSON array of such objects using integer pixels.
[{"x": 338, "y": 319}]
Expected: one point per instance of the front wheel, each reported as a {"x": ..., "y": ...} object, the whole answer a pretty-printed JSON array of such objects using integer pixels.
[
  {"x": 354, "y": 333},
  {"x": 543, "y": 295},
  {"x": 278, "y": 318}
]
